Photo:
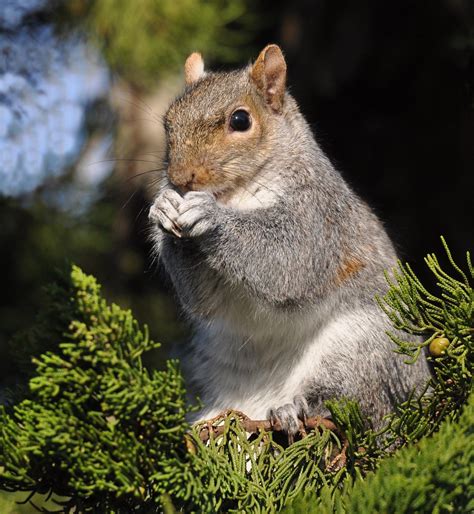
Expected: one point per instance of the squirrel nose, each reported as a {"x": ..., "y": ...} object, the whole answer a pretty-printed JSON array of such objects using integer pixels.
[{"x": 183, "y": 180}]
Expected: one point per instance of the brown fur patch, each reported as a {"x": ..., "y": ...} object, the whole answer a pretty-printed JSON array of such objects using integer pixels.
[{"x": 349, "y": 267}]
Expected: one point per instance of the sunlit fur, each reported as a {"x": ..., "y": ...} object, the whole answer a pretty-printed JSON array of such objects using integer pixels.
[{"x": 280, "y": 284}]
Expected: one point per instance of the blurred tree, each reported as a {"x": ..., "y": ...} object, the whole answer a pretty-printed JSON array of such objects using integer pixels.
[{"x": 146, "y": 40}]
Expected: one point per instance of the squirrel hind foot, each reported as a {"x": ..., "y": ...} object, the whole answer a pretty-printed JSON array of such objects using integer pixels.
[{"x": 290, "y": 418}]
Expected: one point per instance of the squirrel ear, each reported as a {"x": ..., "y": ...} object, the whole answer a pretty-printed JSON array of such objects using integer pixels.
[
  {"x": 193, "y": 68},
  {"x": 269, "y": 74}
]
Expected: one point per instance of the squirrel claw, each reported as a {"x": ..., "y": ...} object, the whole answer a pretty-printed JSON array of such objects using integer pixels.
[
  {"x": 174, "y": 230},
  {"x": 291, "y": 417}
]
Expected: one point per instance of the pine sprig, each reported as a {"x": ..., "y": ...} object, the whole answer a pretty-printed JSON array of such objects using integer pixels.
[
  {"x": 258, "y": 474},
  {"x": 449, "y": 315},
  {"x": 415, "y": 310},
  {"x": 432, "y": 476},
  {"x": 106, "y": 435},
  {"x": 97, "y": 427}
]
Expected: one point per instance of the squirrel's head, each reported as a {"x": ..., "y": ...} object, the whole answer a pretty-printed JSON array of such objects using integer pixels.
[{"x": 222, "y": 130}]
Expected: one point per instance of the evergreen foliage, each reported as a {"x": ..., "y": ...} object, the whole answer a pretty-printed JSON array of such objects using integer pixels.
[
  {"x": 435, "y": 475},
  {"x": 100, "y": 430},
  {"x": 91, "y": 406},
  {"x": 448, "y": 315}
]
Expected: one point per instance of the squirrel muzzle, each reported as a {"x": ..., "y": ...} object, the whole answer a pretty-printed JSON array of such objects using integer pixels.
[
  {"x": 183, "y": 180},
  {"x": 189, "y": 178}
]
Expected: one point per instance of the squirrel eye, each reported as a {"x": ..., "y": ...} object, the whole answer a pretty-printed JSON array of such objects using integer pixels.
[{"x": 240, "y": 120}]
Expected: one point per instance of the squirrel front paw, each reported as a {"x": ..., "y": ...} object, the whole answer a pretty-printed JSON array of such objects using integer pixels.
[
  {"x": 197, "y": 213},
  {"x": 288, "y": 417},
  {"x": 164, "y": 211},
  {"x": 190, "y": 215}
]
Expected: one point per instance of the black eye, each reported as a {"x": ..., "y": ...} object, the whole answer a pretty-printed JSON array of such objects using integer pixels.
[{"x": 240, "y": 120}]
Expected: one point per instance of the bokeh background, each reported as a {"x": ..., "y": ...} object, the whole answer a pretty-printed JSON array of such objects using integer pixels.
[{"x": 387, "y": 87}]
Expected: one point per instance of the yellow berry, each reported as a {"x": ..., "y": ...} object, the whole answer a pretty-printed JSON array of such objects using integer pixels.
[{"x": 438, "y": 346}]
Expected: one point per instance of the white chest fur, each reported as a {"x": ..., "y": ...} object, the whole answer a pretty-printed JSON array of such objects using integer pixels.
[
  {"x": 268, "y": 368},
  {"x": 261, "y": 193}
]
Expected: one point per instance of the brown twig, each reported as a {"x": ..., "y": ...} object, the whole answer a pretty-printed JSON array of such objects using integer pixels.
[{"x": 215, "y": 427}]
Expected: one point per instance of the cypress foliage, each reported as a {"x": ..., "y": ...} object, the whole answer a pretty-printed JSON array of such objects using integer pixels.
[
  {"x": 435, "y": 475},
  {"x": 96, "y": 427},
  {"x": 106, "y": 435},
  {"x": 446, "y": 322}
]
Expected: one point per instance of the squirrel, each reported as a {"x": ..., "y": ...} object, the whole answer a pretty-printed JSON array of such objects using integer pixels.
[{"x": 274, "y": 259}]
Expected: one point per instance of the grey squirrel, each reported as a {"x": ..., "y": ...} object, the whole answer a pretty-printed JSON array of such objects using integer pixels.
[{"x": 274, "y": 259}]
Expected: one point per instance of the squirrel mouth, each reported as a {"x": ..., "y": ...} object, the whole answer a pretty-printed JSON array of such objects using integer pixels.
[
  {"x": 187, "y": 188},
  {"x": 184, "y": 189}
]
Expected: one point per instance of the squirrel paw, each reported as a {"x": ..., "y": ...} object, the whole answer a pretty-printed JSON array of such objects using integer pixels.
[
  {"x": 288, "y": 417},
  {"x": 197, "y": 213},
  {"x": 165, "y": 213}
]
